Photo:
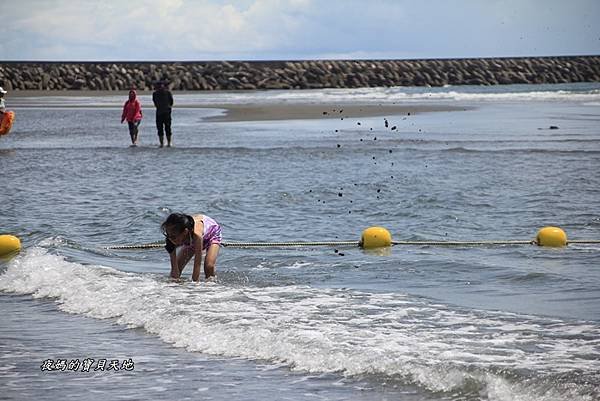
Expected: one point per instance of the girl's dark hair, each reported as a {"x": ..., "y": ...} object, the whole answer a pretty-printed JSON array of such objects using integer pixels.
[{"x": 176, "y": 223}]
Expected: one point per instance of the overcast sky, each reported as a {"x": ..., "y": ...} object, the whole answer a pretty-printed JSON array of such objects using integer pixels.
[{"x": 90, "y": 30}]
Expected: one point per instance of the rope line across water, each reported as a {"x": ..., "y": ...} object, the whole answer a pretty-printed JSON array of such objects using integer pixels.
[
  {"x": 246, "y": 244},
  {"x": 464, "y": 243},
  {"x": 349, "y": 243}
]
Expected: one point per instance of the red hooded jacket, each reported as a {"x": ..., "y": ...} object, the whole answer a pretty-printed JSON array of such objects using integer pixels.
[{"x": 132, "y": 109}]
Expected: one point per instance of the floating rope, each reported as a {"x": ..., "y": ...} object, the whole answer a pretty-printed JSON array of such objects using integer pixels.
[
  {"x": 286, "y": 244},
  {"x": 138, "y": 246},
  {"x": 153, "y": 245},
  {"x": 464, "y": 243},
  {"x": 246, "y": 244}
]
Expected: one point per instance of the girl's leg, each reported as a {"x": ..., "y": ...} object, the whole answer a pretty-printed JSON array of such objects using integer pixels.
[
  {"x": 210, "y": 260},
  {"x": 131, "y": 132},
  {"x": 135, "y": 131}
]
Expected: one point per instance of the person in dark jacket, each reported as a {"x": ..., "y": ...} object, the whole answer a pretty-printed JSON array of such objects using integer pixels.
[{"x": 163, "y": 101}]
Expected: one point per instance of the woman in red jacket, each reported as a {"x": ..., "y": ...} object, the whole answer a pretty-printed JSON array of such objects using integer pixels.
[{"x": 132, "y": 112}]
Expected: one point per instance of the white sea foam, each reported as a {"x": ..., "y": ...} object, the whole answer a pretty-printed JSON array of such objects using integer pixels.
[
  {"x": 322, "y": 330},
  {"x": 587, "y": 94}
]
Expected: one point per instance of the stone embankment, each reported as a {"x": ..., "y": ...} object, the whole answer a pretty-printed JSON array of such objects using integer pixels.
[{"x": 248, "y": 75}]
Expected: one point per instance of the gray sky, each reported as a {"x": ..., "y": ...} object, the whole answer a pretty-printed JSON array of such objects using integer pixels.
[{"x": 295, "y": 29}]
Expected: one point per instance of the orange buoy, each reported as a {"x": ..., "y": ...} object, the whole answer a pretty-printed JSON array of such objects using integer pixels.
[{"x": 8, "y": 117}]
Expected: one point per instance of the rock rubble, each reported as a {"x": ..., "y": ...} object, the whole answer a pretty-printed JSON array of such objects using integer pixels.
[{"x": 250, "y": 75}]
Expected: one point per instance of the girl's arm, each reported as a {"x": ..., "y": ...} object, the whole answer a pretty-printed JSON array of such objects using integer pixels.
[
  {"x": 124, "y": 114},
  {"x": 138, "y": 108},
  {"x": 174, "y": 268},
  {"x": 197, "y": 259},
  {"x": 198, "y": 231}
]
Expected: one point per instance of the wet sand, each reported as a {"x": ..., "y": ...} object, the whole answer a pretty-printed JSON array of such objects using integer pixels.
[{"x": 314, "y": 111}]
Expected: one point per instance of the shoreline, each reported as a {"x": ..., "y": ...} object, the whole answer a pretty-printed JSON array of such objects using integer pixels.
[{"x": 254, "y": 111}]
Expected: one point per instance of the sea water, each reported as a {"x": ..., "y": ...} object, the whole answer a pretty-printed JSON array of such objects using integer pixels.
[{"x": 333, "y": 323}]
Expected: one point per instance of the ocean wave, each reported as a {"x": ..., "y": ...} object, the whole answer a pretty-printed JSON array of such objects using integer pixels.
[
  {"x": 352, "y": 333},
  {"x": 587, "y": 94},
  {"x": 517, "y": 150}
]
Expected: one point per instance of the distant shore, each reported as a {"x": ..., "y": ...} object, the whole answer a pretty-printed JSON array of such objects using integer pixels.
[{"x": 310, "y": 74}]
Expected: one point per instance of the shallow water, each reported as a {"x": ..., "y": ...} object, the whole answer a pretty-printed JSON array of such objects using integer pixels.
[{"x": 413, "y": 323}]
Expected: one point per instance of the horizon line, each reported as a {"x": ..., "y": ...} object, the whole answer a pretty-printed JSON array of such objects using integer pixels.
[{"x": 293, "y": 60}]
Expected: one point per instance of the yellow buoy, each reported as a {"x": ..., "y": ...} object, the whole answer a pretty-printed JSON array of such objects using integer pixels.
[
  {"x": 9, "y": 245},
  {"x": 551, "y": 236},
  {"x": 375, "y": 237}
]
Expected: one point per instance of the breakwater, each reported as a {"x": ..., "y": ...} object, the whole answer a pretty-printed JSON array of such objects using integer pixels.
[{"x": 248, "y": 75}]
